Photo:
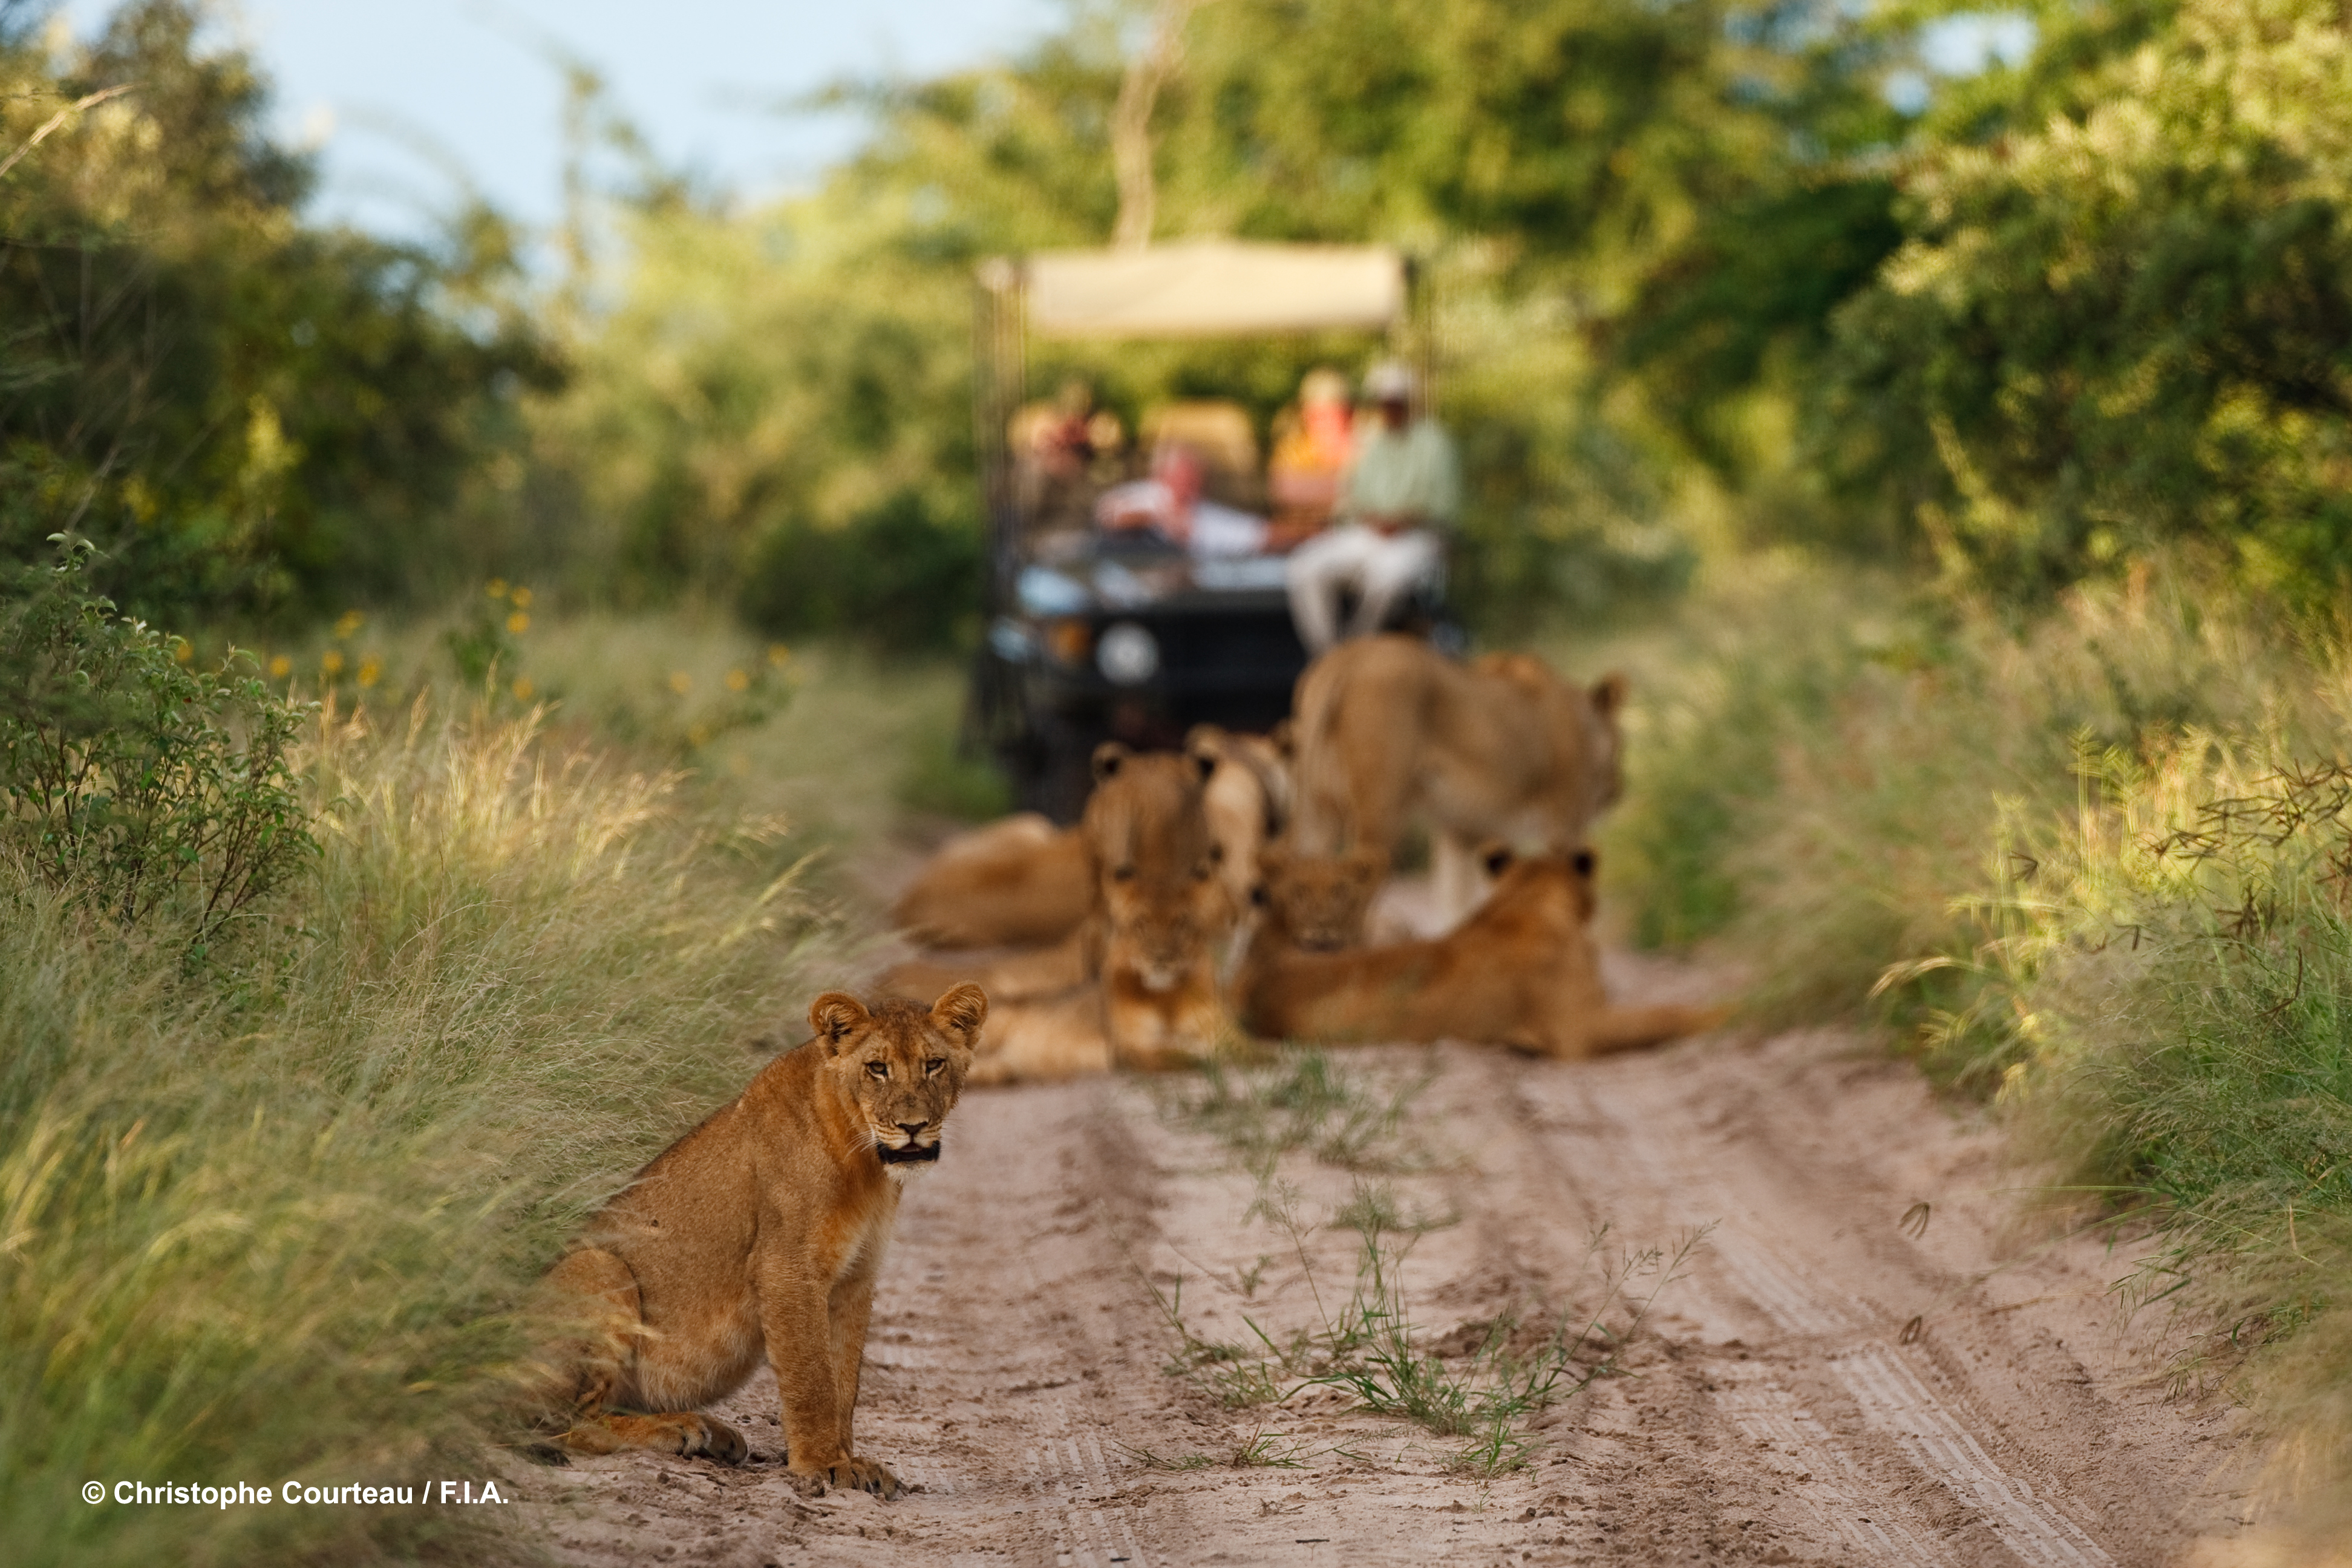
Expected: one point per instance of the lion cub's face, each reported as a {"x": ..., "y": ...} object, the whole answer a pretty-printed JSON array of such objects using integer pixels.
[
  {"x": 1146, "y": 827},
  {"x": 902, "y": 1066},
  {"x": 1561, "y": 885},
  {"x": 1320, "y": 903},
  {"x": 1162, "y": 933}
]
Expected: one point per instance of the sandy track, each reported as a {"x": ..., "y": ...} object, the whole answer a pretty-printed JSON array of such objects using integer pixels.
[{"x": 1776, "y": 1410}]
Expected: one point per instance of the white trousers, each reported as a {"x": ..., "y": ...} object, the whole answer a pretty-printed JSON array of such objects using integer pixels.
[{"x": 1382, "y": 568}]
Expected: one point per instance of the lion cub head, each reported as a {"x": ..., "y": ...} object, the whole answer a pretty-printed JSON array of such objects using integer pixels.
[
  {"x": 901, "y": 1065},
  {"x": 1163, "y": 904},
  {"x": 1318, "y": 902},
  {"x": 1561, "y": 881}
]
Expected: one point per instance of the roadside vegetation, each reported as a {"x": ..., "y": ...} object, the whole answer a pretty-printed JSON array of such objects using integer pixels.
[
  {"x": 275, "y": 1171},
  {"x": 2089, "y": 867},
  {"x": 1960, "y": 460}
]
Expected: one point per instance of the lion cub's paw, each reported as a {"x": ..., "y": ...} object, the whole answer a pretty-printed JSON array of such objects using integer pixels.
[
  {"x": 714, "y": 1439},
  {"x": 865, "y": 1475}
]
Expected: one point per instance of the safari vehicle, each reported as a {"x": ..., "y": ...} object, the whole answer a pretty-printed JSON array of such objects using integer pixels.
[{"x": 1094, "y": 634}]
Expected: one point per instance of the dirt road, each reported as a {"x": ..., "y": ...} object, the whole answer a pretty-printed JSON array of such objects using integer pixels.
[{"x": 1771, "y": 1408}]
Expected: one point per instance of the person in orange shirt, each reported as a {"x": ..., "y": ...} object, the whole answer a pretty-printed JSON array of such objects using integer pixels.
[{"x": 1311, "y": 450}]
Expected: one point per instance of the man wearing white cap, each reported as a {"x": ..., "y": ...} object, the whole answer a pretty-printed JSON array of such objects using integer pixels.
[{"x": 1403, "y": 486}]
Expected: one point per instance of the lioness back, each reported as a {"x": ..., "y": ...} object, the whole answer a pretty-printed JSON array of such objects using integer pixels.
[
  {"x": 1499, "y": 749},
  {"x": 761, "y": 1234}
]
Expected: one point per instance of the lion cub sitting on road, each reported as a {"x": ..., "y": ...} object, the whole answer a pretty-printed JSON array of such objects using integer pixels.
[
  {"x": 1023, "y": 882},
  {"x": 1136, "y": 986},
  {"x": 1161, "y": 909},
  {"x": 1521, "y": 971},
  {"x": 763, "y": 1229}
]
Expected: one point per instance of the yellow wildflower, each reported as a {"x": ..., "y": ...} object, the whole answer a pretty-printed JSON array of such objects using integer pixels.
[
  {"x": 371, "y": 670},
  {"x": 517, "y": 623},
  {"x": 522, "y": 597},
  {"x": 184, "y": 650},
  {"x": 681, "y": 682},
  {"x": 498, "y": 589},
  {"x": 777, "y": 653},
  {"x": 523, "y": 687},
  {"x": 280, "y": 668},
  {"x": 738, "y": 681},
  {"x": 331, "y": 663},
  {"x": 348, "y": 623}
]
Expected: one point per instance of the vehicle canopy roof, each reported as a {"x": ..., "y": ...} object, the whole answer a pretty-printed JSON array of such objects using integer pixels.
[{"x": 1212, "y": 287}]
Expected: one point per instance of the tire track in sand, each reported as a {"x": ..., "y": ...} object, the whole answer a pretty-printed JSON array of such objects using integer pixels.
[
  {"x": 1794, "y": 1261},
  {"x": 1569, "y": 1146}
]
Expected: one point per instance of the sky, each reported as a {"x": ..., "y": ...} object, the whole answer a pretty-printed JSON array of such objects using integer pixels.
[{"x": 409, "y": 103}]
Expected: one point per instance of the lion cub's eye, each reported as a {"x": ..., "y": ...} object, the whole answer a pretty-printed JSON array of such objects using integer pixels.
[
  {"x": 934, "y": 1064},
  {"x": 878, "y": 1069}
]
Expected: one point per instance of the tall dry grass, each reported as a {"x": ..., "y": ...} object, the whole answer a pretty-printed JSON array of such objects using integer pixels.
[{"x": 269, "y": 1222}]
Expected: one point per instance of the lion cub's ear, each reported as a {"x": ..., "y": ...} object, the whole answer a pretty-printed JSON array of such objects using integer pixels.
[
  {"x": 961, "y": 1012},
  {"x": 1609, "y": 694},
  {"x": 836, "y": 1016},
  {"x": 1110, "y": 757}
]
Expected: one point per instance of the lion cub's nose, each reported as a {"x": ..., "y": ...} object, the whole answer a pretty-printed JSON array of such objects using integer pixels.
[{"x": 913, "y": 1129}]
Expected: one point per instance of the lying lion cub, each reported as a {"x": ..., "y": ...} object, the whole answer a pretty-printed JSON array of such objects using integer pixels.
[
  {"x": 1013, "y": 883},
  {"x": 763, "y": 1229},
  {"x": 1521, "y": 971}
]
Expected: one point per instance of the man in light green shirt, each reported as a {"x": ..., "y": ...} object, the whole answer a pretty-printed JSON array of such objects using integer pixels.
[{"x": 1403, "y": 486}]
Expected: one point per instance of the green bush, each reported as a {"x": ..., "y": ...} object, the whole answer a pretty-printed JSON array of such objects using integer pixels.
[
  {"x": 899, "y": 577},
  {"x": 248, "y": 413},
  {"x": 132, "y": 780},
  {"x": 2123, "y": 324}
]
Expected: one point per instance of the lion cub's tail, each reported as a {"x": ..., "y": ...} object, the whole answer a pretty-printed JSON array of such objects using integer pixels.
[{"x": 1637, "y": 1028}]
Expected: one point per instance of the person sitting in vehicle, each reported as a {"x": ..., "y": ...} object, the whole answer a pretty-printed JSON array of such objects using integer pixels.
[
  {"x": 1311, "y": 448},
  {"x": 1061, "y": 449},
  {"x": 1171, "y": 505},
  {"x": 1404, "y": 486}
]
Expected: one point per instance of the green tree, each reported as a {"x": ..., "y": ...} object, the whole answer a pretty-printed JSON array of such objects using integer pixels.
[
  {"x": 245, "y": 411},
  {"x": 2127, "y": 327}
]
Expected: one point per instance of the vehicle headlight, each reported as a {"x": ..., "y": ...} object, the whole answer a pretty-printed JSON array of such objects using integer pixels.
[{"x": 1127, "y": 654}]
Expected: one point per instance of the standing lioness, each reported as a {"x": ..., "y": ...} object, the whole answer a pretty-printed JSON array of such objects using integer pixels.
[{"x": 763, "y": 1229}]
